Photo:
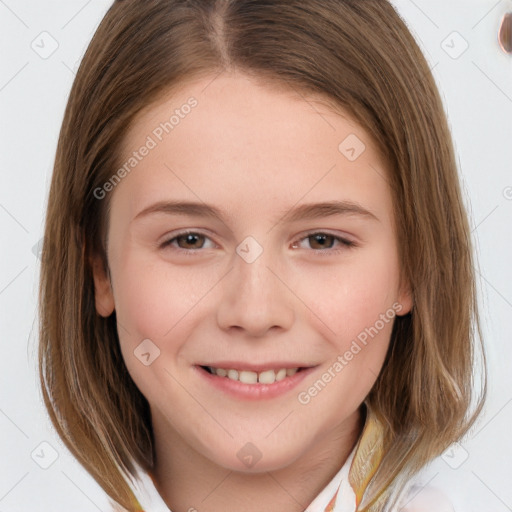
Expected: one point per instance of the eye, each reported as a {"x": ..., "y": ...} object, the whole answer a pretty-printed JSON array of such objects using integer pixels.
[
  {"x": 324, "y": 242},
  {"x": 189, "y": 240}
]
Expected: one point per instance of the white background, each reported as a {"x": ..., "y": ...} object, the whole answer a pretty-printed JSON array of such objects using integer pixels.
[{"x": 477, "y": 91}]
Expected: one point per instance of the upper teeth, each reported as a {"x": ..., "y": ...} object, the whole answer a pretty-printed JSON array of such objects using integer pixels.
[{"x": 248, "y": 377}]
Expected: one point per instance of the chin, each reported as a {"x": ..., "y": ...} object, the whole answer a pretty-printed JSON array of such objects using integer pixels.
[{"x": 251, "y": 459}]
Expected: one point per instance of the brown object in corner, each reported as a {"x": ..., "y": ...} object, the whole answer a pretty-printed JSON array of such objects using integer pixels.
[{"x": 505, "y": 33}]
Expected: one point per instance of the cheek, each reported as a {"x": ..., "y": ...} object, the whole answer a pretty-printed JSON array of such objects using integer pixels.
[
  {"x": 351, "y": 297},
  {"x": 355, "y": 315},
  {"x": 158, "y": 302},
  {"x": 152, "y": 296},
  {"x": 354, "y": 309}
]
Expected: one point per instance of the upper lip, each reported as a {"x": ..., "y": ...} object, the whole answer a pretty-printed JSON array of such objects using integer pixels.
[{"x": 238, "y": 365}]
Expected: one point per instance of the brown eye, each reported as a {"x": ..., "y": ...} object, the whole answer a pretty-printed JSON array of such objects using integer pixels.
[
  {"x": 190, "y": 241},
  {"x": 324, "y": 243},
  {"x": 321, "y": 241}
]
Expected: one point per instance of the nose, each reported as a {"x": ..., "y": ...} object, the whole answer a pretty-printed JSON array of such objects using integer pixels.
[{"x": 255, "y": 298}]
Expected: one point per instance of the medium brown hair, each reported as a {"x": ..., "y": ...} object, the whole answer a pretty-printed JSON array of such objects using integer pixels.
[{"x": 360, "y": 56}]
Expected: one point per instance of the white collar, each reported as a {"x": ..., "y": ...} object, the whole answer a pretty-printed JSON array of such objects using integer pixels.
[
  {"x": 346, "y": 498},
  {"x": 412, "y": 501},
  {"x": 147, "y": 494}
]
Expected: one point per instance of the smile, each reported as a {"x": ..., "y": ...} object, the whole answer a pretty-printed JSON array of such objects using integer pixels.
[
  {"x": 249, "y": 377},
  {"x": 246, "y": 384}
]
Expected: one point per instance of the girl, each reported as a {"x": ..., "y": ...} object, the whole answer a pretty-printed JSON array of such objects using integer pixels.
[{"x": 257, "y": 287}]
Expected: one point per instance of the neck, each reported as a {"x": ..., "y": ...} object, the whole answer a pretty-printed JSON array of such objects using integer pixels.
[{"x": 190, "y": 482}]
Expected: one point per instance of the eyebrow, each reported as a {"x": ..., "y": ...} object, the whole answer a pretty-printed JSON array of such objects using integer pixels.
[{"x": 302, "y": 212}]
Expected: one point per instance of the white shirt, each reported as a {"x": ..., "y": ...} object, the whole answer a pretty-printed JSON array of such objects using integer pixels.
[{"x": 415, "y": 498}]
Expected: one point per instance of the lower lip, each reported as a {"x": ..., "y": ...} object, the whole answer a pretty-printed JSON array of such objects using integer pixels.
[{"x": 244, "y": 391}]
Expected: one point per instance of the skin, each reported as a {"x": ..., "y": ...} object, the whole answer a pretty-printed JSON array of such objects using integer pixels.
[{"x": 255, "y": 152}]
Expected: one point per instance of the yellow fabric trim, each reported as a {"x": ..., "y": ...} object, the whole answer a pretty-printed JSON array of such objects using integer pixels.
[{"x": 367, "y": 458}]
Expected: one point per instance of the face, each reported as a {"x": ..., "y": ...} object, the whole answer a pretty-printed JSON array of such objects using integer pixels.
[{"x": 254, "y": 235}]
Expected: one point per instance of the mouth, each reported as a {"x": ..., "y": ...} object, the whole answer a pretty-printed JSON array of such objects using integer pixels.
[
  {"x": 245, "y": 381},
  {"x": 266, "y": 376}
]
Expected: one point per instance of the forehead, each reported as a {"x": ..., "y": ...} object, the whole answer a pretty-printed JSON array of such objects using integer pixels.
[{"x": 218, "y": 135}]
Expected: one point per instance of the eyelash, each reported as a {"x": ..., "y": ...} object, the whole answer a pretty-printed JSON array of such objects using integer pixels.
[{"x": 345, "y": 243}]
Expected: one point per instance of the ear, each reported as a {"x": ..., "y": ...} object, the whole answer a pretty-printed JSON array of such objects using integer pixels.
[
  {"x": 405, "y": 299},
  {"x": 103, "y": 295}
]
